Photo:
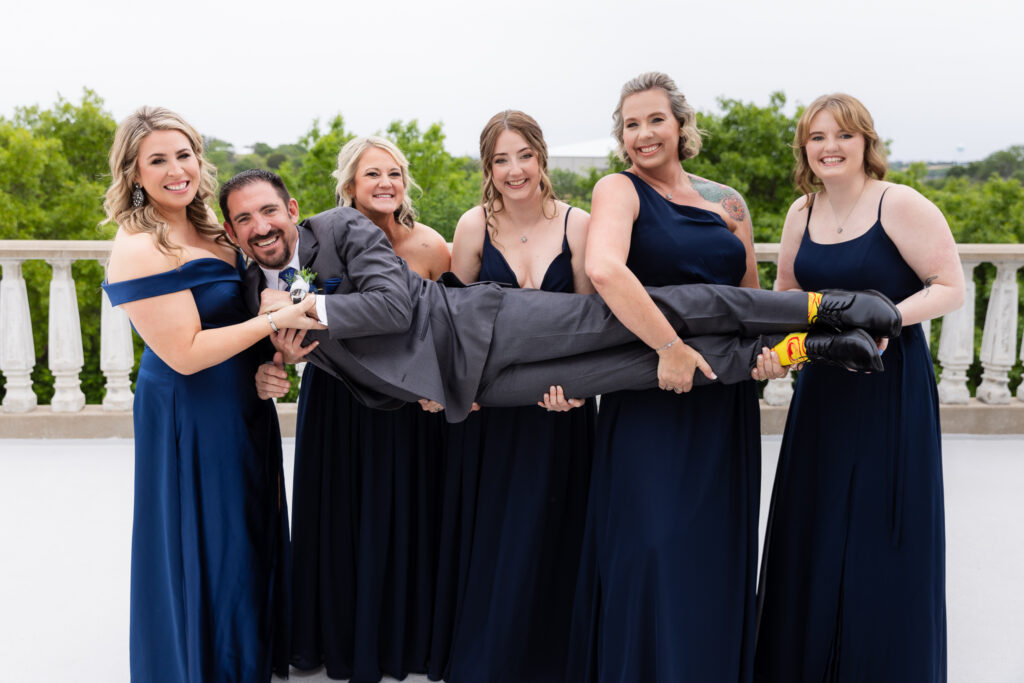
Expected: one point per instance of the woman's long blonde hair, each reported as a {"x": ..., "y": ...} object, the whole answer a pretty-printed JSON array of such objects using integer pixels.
[
  {"x": 528, "y": 128},
  {"x": 124, "y": 157},
  {"x": 348, "y": 163},
  {"x": 852, "y": 117}
]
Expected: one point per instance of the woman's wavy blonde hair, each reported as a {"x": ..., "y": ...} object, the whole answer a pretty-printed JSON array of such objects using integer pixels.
[
  {"x": 529, "y": 129},
  {"x": 852, "y": 117},
  {"x": 348, "y": 163},
  {"x": 689, "y": 134},
  {"x": 124, "y": 157}
]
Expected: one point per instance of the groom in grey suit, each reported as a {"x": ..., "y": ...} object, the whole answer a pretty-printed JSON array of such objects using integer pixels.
[{"x": 393, "y": 337}]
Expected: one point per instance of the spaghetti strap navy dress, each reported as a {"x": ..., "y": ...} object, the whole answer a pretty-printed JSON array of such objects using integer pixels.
[
  {"x": 365, "y": 519},
  {"x": 210, "y": 530},
  {"x": 667, "y": 579},
  {"x": 853, "y": 575},
  {"x": 515, "y": 510}
]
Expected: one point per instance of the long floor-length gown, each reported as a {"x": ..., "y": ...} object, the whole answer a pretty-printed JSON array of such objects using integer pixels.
[
  {"x": 667, "y": 580},
  {"x": 853, "y": 575},
  {"x": 515, "y": 505},
  {"x": 365, "y": 519},
  {"x": 210, "y": 531}
]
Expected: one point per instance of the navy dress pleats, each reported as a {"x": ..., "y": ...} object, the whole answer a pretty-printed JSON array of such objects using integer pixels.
[
  {"x": 210, "y": 529},
  {"x": 666, "y": 587},
  {"x": 515, "y": 503},
  {"x": 853, "y": 575}
]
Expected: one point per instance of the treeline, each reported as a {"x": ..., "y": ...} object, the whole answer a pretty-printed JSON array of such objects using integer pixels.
[{"x": 53, "y": 174}]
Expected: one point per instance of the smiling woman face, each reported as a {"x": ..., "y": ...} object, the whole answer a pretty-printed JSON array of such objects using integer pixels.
[
  {"x": 831, "y": 151},
  {"x": 515, "y": 172},
  {"x": 378, "y": 185},
  {"x": 650, "y": 133},
  {"x": 168, "y": 170}
]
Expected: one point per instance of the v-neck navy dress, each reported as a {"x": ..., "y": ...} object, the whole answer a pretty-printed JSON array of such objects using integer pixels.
[
  {"x": 853, "y": 575},
  {"x": 210, "y": 529},
  {"x": 515, "y": 504},
  {"x": 666, "y": 588}
]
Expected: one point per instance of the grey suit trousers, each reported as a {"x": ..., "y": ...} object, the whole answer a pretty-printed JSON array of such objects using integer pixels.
[{"x": 541, "y": 341}]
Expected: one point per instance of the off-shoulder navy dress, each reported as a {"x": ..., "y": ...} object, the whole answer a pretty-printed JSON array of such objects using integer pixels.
[
  {"x": 365, "y": 518},
  {"x": 515, "y": 503},
  {"x": 667, "y": 580},
  {"x": 853, "y": 575},
  {"x": 210, "y": 530}
]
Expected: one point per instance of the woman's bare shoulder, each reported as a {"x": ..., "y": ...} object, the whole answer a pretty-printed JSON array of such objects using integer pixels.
[{"x": 136, "y": 255}]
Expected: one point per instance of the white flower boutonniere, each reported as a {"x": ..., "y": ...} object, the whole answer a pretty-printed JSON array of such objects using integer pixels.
[{"x": 301, "y": 284}]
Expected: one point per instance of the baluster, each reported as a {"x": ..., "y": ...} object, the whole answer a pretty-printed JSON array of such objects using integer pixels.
[
  {"x": 999, "y": 339},
  {"x": 779, "y": 392},
  {"x": 65, "y": 343},
  {"x": 926, "y": 327},
  {"x": 117, "y": 356},
  {"x": 17, "y": 353},
  {"x": 956, "y": 344}
]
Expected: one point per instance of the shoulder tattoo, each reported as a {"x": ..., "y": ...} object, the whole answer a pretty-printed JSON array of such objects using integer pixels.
[{"x": 729, "y": 198}]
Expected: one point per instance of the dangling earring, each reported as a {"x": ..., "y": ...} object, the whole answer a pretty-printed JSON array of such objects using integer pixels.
[{"x": 138, "y": 196}]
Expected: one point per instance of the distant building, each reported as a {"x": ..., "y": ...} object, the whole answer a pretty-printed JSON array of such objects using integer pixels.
[{"x": 582, "y": 156}]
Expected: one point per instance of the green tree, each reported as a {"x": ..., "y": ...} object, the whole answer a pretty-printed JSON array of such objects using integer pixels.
[
  {"x": 308, "y": 175},
  {"x": 747, "y": 147},
  {"x": 448, "y": 185},
  {"x": 52, "y": 180}
]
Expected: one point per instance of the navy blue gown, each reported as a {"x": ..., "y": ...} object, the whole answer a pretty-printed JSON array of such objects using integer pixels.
[
  {"x": 514, "y": 516},
  {"x": 210, "y": 530},
  {"x": 853, "y": 576},
  {"x": 667, "y": 580},
  {"x": 365, "y": 519}
]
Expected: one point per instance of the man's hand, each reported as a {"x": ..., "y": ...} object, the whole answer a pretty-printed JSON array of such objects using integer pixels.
[
  {"x": 272, "y": 379},
  {"x": 289, "y": 343}
]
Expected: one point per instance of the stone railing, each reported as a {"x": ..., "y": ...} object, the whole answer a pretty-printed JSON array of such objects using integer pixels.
[{"x": 999, "y": 345}]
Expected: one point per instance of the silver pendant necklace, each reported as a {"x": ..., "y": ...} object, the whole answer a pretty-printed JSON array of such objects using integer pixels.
[
  {"x": 840, "y": 224},
  {"x": 523, "y": 239}
]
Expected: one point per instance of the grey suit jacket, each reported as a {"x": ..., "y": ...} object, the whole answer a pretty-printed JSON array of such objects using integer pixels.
[{"x": 392, "y": 336}]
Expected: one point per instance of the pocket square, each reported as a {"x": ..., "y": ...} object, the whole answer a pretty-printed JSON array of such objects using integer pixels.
[{"x": 331, "y": 285}]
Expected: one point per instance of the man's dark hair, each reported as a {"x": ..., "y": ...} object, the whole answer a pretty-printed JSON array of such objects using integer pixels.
[{"x": 253, "y": 175}]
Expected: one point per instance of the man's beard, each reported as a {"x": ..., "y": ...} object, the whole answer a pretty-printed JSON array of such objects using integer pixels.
[{"x": 277, "y": 263}]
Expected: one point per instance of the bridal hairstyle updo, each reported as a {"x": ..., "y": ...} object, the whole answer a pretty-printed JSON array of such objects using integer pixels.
[
  {"x": 124, "y": 157},
  {"x": 689, "y": 135},
  {"x": 348, "y": 163},
  {"x": 852, "y": 117},
  {"x": 524, "y": 125}
]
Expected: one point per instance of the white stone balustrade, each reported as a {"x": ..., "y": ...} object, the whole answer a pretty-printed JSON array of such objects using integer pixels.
[{"x": 998, "y": 353}]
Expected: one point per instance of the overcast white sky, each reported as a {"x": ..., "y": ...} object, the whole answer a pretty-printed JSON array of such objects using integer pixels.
[{"x": 937, "y": 76}]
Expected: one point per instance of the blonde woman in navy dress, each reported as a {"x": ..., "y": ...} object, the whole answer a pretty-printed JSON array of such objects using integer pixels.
[
  {"x": 517, "y": 487},
  {"x": 366, "y": 498},
  {"x": 853, "y": 575},
  {"x": 210, "y": 530},
  {"x": 667, "y": 581}
]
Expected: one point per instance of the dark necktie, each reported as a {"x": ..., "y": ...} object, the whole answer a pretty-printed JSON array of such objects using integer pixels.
[{"x": 287, "y": 276}]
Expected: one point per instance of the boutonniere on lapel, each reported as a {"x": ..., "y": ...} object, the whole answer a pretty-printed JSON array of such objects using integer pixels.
[{"x": 300, "y": 283}]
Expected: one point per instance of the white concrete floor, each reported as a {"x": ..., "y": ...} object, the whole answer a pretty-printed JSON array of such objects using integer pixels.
[{"x": 65, "y": 530}]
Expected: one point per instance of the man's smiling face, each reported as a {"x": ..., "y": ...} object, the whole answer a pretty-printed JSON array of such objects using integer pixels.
[{"x": 262, "y": 224}]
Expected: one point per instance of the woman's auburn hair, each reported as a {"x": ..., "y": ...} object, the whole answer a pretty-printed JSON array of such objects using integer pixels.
[
  {"x": 525, "y": 125},
  {"x": 852, "y": 117},
  {"x": 124, "y": 158}
]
